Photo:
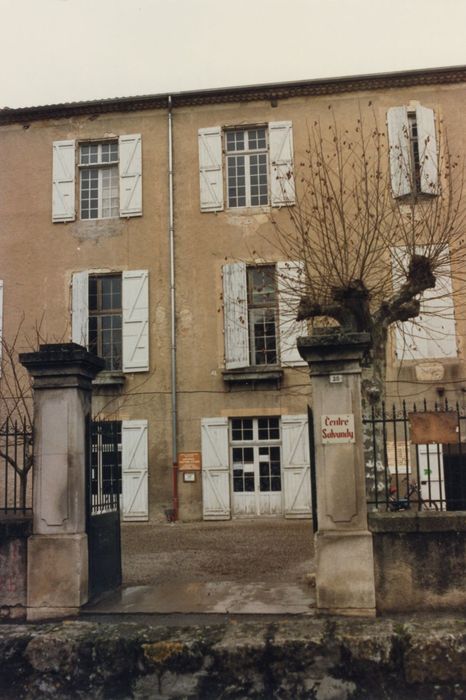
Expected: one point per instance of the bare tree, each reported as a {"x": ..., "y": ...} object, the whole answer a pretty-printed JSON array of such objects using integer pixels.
[{"x": 368, "y": 256}]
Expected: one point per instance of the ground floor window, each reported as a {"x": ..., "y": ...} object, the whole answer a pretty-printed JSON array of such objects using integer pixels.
[{"x": 256, "y": 465}]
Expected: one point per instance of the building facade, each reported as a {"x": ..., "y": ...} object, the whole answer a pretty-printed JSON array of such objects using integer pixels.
[{"x": 142, "y": 228}]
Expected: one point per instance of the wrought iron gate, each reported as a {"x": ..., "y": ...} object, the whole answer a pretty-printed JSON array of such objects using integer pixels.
[{"x": 103, "y": 485}]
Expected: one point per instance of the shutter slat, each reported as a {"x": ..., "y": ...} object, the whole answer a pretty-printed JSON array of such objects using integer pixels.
[
  {"x": 135, "y": 285},
  {"x": 215, "y": 469},
  {"x": 290, "y": 290},
  {"x": 282, "y": 187},
  {"x": 428, "y": 158},
  {"x": 398, "y": 142},
  {"x": 130, "y": 155},
  {"x": 134, "y": 470},
  {"x": 80, "y": 308},
  {"x": 210, "y": 169},
  {"x": 296, "y": 466},
  {"x": 235, "y": 308},
  {"x": 63, "y": 181},
  {"x": 432, "y": 334}
]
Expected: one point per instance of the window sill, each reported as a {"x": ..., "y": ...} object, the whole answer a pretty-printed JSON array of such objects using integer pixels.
[
  {"x": 254, "y": 376},
  {"x": 108, "y": 378},
  {"x": 249, "y": 211}
]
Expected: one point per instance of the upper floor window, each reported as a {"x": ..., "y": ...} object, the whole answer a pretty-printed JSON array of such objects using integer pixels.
[
  {"x": 252, "y": 166},
  {"x": 99, "y": 182},
  {"x": 105, "y": 319},
  {"x": 262, "y": 311},
  {"x": 110, "y": 317},
  {"x": 246, "y": 160},
  {"x": 413, "y": 151},
  {"x": 431, "y": 334},
  {"x": 260, "y": 303},
  {"x": 110, "y": 178}
]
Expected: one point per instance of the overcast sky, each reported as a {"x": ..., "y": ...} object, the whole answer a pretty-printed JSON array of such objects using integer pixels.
[{"x": 63, "y": 50}]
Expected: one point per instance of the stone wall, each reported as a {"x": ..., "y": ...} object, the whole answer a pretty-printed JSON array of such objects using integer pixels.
[
  {"x": 299, "y": 658},
  {"x": 420, "y": 561},
  {"x": 13, "y": 566}
]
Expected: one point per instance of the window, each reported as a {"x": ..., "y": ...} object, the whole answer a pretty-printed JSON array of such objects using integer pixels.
[
  {"x": 262, "y": 308},
  {"x": 110, "y": 178},
  {"x": 260, "y": 303},
  {"x": 246, "y": 159},
  {"x": 119, "y": 465},
  {"x": 253, "y": 165},
  {"x": 432, "y": 334},
  {"x": 105, "y": 319},
  {"x": 106, "y": 459},
  {"x": 110, "y": 316},
  {"x": 412, "y": 151},
  {"x": 256, "y": 465},
  {"x": 99, "y": 185}
]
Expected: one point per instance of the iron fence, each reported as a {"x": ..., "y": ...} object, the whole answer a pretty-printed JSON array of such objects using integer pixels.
[
  {"x": 416, "y": 457},
  {"x": 16, "y": 460}
]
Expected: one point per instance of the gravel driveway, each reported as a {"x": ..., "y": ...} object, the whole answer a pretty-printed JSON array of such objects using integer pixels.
[{"x": 235, "y": 550}]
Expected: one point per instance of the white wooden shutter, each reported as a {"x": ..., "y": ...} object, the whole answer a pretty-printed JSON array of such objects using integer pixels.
[
  {"x": 130, "y": 175},
  {"x": 282, "y": 189},
  {"x": 235, "y": 309},
  {"x": 428, "y": 158},
  {"x": 290, "y": 290},
  {"x": 398, "y": 142},
  {"x": 135, "y": 285},
  {"x": 63, "y": 181},
  {"x": 296, "y": 466},
  {"x": 215, "y": 469},
  {"x": 135, "y": 505},
  {"x": 210, "y": 168},
  {"x": 432, "y": 334},
  {"x": 80, "y": 308},
  {"x": 1, "y": 324}
]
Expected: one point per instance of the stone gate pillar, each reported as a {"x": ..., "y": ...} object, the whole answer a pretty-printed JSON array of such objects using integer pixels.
[
  {"x": 344, "y": 559},
  {"x": 57, "y": 549}
]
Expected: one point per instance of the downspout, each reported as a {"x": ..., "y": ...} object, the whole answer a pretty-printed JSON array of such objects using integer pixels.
[{"x": 171, "y": 241}]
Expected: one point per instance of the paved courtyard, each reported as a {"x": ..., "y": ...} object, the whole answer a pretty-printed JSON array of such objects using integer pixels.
[
  {"x": 240, "y": 566},
  {"x": 269, "y": 549}
]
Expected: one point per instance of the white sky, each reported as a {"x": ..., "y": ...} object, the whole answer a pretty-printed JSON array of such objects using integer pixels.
[{"x": 63, "y": 50}]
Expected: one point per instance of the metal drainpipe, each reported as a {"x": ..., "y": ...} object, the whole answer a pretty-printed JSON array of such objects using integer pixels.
[{"x": 171, "y": 240}]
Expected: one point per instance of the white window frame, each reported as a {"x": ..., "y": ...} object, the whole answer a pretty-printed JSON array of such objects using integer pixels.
[
  {"x": 101, "y": 166},
  {"x": 255, "y": 309},
  {"x": 247, "y": 153}
]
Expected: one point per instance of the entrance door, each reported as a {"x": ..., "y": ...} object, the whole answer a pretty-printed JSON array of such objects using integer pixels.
[{"x": 256, "y": 466}]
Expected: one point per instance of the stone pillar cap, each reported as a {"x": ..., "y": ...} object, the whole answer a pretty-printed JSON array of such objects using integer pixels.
[
  {"x": 61, "y": 358},
  {"x": 333, "y": 343}
]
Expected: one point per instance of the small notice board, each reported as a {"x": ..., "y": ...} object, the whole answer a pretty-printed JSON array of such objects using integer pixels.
[{"x": 189, "y": 461}]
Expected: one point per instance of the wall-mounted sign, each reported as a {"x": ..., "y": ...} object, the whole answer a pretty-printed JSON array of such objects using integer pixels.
[
  {"x": 337, "y": 428},
  {"x": 189, "y": 461},
  {"x": 189, "y": 477},
  {"x": 434, "y": 427}
]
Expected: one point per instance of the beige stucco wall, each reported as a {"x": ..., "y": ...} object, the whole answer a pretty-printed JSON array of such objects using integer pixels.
[{"x": 38, "y": 258}]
